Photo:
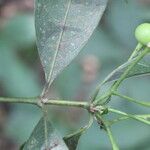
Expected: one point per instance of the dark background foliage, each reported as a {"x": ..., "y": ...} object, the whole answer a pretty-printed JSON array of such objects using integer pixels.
[{"x": 21, "y": 75}]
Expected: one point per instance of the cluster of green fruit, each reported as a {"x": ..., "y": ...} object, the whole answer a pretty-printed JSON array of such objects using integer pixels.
[{"x": 142, "y": 34}]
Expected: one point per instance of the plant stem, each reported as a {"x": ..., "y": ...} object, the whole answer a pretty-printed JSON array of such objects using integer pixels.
[
  {"x": 45, "y": 117},
  {"x": 145, "y": 116},
  {"x": 109, "y": 133},
  {"x": 34, "y": 101},
  {"x": 112, "y": 140},
  {"x": 123, "y": 76},
  {"x": 68, "y": 103},
  {"x": 136, "y": 51},
  {"x": 146, "y": 104},
  {"x": 129, "y": 116},
  {"x": 116, "y": 84}
]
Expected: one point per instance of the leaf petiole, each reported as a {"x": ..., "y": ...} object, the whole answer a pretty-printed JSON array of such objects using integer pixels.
[
  {"x": 145, "y": 116},
  {"x": 135, "y": 117},
  {"x": 146, "y": 104}
]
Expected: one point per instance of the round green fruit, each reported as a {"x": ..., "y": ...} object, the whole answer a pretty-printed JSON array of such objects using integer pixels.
[{"x": 142, "y": 33}]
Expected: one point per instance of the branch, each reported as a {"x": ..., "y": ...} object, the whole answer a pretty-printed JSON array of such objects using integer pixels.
[
  {"x": 32, "y": 100},
  {"x": 109, "y": 132},
  {"x": 35, "y": 101},
  {"x": 123, "y": 76},
  {"x": 135, "y": 117},
  {"x": 146, "y": 104},
  {"x": 122, "y": 118},
  {"x": 84, "y": 105},
  {"x": 117, "y": 83},
  {"x": 136, "y": 51}
]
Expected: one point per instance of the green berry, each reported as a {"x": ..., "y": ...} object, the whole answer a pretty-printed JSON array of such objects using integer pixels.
[{"x": 142, "y": 33}]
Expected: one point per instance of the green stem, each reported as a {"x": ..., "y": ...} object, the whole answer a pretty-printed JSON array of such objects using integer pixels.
[
  {"x": 116, "y": 84},
  {"x": 136, "y": 51},
  {"x": 45, "y": 117},
  {"x": 112, "y": 140},
  {"x": 84, "y": 105},
  {"x": 123, "y": 76},
  {"x": 146, "y": 104},
  {"x": 145, "y": 116},
  {"x": 95, "y": 93},
  {"x": 129, "y": 115},
  {"x": 109, "y": 133},
  {"x": 35, "y": 100},
  {"x": 32, "y": 100}
]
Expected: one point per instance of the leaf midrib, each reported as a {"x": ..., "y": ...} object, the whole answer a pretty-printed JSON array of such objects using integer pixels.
[{"x": 58, "y": 45}]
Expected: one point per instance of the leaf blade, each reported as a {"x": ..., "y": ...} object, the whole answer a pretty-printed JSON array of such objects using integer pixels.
[
  {"x": 58, "y": 43},
  {"x": 73, "y": 139},
  {"x": 37, "y": 138}
]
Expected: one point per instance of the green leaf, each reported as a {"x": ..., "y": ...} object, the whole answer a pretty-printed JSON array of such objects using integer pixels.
[
  {"x": 141, "y": 68},
  {"x": 63, "y": 28},
  {"x": 73, "y": 139},
  {"x": 19, "y": 31},
  {"x": 22, "y": 146},
  {"x": 16, "y": 71},
  {"x": 37, "y": 138}
]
